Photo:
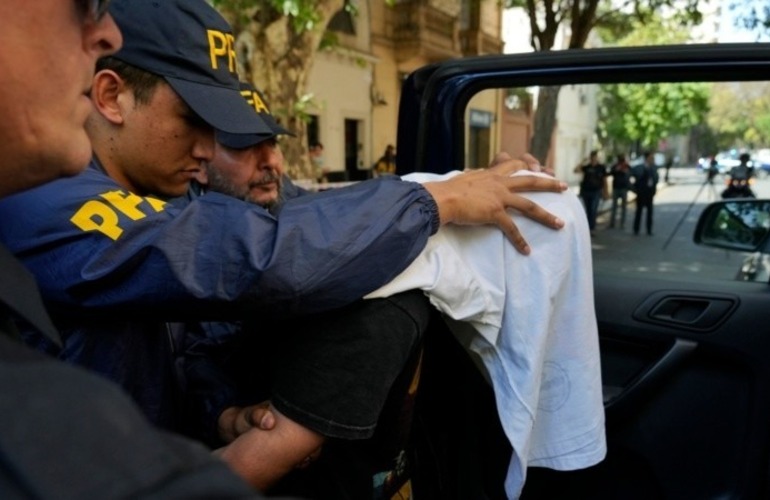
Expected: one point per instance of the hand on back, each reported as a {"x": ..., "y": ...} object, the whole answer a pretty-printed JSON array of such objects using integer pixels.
[{"x": 484, "y": 196}]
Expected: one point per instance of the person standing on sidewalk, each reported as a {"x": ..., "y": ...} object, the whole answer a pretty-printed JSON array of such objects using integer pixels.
[
  {"x": 621, "y": 180},
  {"x": 593, "y": 187},
  {"x": 645, "y": 185}
]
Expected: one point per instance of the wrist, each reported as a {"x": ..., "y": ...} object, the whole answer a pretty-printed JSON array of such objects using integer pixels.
[{"x": 444, "y": 200}]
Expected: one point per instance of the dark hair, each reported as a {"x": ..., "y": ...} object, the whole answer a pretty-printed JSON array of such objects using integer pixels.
[
  {"x": 744, "y": 157},
  {"x": 142, "y": 82}
]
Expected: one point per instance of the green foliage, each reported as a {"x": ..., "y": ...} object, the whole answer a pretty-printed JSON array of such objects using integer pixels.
[
  {"x": 302, "y": 13},
  {"x": 647, "y": 113},
  {"x": 612, "y": 19},
  {"x": 740, "y": 114},
  {"x": 656, "y": 30}
]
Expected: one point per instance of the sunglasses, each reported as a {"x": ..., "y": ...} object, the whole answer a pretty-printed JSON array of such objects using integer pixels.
[{"x": 93, "y": 10}]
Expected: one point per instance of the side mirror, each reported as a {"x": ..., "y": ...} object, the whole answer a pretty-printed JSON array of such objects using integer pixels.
[{"x": 735, "y": 225}]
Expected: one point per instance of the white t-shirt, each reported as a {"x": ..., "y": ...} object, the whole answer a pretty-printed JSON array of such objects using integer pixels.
[{"x": 531, "y": 322}]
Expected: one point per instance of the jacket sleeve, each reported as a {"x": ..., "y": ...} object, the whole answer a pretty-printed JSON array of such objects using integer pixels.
[{"x": 135, "y": 253}]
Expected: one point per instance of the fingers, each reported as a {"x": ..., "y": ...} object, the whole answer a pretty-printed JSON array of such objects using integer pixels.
[
  {"x": 511, "y": 231},
  {"x": 532, "y": 163},
  {"x": 259, "y": 416},
  {"x": 531, "y": 210},
  {"x": 485, "y": 196},
  {"x": 534, "y": 183},
  {"x": 499, "y": 158},
  {"x": 509, "y": 165},
  {"x": 235, "y": 421}
]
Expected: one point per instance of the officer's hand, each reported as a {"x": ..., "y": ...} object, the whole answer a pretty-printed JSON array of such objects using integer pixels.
[
  {"x": 528, "y": 162},
  {"x": 235, "y": 420},
  {"x": 483, "y": 197}
]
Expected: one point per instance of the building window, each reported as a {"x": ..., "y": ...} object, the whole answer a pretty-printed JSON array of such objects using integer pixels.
[
  {"x": 312, "y": 131},
  {"x": 342, "y": 21},
  {"x": 479, "y": 138}
]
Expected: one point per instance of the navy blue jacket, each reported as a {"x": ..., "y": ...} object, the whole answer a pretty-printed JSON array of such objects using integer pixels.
[{"x": 114, "y": 266}]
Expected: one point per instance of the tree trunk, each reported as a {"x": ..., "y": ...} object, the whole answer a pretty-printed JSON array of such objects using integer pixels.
[{"x": 545, "y": 122}]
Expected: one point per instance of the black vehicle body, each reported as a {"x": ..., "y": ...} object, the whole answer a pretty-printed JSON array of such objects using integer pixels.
[{"x": 685, "y": 365}]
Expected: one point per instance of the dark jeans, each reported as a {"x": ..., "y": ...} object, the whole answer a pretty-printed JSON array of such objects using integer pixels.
[
  {"x": 619, "y": 197},
  {"x": 643, "y": 202},
  {"x": 333, "y": 372},
  {"x": 591, "y": 201},
  {"x": 351, "y": 374}
]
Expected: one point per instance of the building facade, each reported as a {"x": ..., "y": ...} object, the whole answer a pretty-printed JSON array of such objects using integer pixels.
[{"x": 356, "y": 86}]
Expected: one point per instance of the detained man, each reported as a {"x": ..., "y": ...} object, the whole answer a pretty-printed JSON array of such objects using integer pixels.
[
  {"x": 327, "y": 375},
  {"x": 493, "y": 323}
]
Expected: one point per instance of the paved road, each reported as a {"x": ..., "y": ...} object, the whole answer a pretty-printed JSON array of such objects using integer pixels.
[{"x": 671, "y": 250}]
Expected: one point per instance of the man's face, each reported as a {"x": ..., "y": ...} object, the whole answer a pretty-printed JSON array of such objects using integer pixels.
[
  {"x": 162, "y": 146},
  {"x": 252, "y": 174},
  {"x": 48, "y": 49}
]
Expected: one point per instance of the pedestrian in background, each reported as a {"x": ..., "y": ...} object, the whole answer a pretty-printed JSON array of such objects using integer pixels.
[
  {"x": 621, "y": 180},
  {"x": 645, "y": 185},
  {"x": 593, "y": 187},
  {"x": 316, "y": 154},
  {"x": 387, "y": 162}
]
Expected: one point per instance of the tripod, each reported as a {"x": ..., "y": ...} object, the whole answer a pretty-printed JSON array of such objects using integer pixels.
[{"x": 713, "y": 195}]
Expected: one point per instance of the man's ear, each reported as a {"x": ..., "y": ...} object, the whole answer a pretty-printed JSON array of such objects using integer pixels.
[{"x": 111, "y": 95}]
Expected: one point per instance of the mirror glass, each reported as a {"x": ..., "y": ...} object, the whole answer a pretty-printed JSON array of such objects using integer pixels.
[{"x": 740, "y": 225}]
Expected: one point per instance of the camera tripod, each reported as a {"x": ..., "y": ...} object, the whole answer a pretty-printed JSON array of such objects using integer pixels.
[{"x": 713, "y": 196}]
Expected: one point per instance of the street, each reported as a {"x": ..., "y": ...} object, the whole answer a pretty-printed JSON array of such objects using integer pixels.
[{"x": 670, "y": 250}]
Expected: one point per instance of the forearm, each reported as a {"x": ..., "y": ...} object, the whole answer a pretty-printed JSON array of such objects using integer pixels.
[{"x": 218, "y": 251}]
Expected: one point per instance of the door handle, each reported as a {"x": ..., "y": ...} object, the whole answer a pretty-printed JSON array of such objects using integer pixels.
[{"x": 696, "y": 313}]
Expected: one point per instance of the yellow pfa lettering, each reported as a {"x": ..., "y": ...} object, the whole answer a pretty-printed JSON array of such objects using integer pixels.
[
  {"x": 156, "y": 204},
  {"x": 125, "y": 203},
  {"x": 97, "y": 216},
  {"x": 221, "y": 45},
  {"x": 256, "y": 101}
]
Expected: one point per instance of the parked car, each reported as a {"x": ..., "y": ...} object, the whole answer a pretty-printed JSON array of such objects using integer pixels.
[
  {"x": 685, "y": 354},
  {"x": 761, "y": 162},
  {"x": 727, "y": 160}
]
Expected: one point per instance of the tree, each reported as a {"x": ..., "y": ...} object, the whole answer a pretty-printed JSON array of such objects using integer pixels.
[
  {"x": 740, "y": 114},
  {"x": 646, "y": 113},
  {"x": 643, "y": 114},
  {"x": 276, "y": 42},
  {"x": 583, "y": 16}
]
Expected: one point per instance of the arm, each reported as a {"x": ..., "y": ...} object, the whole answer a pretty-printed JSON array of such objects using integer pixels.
[
  {"x": 94, "y": 246},
  {"x": 263, "y": 457},
  {"x": 215, "y": 249}
]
